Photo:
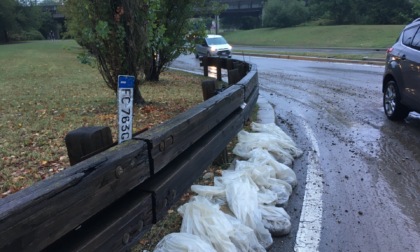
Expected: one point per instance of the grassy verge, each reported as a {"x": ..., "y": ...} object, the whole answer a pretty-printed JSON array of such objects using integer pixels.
[
  {"x": 352, "y": 36},
  {"x": 45, "y": 93}
]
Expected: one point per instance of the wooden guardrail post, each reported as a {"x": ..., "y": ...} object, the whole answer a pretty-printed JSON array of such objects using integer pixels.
[
  {"x": 205, "y": 63},
  {"x": 84, "y": 141},
  {"x": 219, "y": 69},
  {"x": 209, "y": 90},
  {"x": 233, "y": 76},
  {"x": 229, "y": 64}
]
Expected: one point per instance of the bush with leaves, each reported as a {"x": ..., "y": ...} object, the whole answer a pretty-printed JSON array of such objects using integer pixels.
[
  {"x": 284, "y": 13},
  {"x": 115, "y": 33},
  {"x": 133, "y": 37}
]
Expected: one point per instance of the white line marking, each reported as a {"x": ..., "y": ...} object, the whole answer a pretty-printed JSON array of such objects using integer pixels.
[{"x": 309, "y": 233}]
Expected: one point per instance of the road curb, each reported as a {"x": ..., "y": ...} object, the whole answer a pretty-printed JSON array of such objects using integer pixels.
[
  {"x": 265, "y": 112},
  {"x": 368, "y": 61}
]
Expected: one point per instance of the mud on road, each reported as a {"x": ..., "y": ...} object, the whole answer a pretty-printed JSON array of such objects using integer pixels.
[
  {"x": 369, "y": 166},
  {"x": 358, "y": 180}
]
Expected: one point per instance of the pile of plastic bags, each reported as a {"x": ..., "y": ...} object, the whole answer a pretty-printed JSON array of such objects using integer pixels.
[{"x": 243, "y": 210}]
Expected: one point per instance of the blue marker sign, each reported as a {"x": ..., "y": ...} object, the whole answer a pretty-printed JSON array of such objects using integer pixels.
[{"x": 125, "y": 107}]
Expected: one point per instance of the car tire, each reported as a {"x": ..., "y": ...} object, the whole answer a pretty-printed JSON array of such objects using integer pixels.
[
  {"x": 196, "y": 55},
  {"x": 394, "y": 110}
]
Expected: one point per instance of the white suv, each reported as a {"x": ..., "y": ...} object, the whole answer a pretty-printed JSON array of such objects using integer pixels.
[{"x": 213, "y": 45}]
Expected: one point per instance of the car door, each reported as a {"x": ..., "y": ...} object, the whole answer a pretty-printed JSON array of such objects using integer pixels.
[
  {"x": 202, "y": 48},
  {"x": 411, "y": 71}
]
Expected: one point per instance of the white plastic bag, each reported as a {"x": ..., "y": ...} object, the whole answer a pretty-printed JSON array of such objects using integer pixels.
[
  {"x": 242, "y": 198},
  {"x": 260, "y": 176},
  {"x": 279, "y": 170},
  {"x": 214, "y": 193},
  {"x": 244, "y": 237},
  {"x": 276, "y": 220},
  {"x": 249, "y": 141},
  {"x": 267, "y": 197},
  {"x": 183, "y": 242},
  {"x": 273, "y": 129},
  {"x": 204, "y": 219}
]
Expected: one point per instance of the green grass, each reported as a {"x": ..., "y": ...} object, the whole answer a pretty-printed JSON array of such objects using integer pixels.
[
  {"x": 45, "y": 92},
  {"x": 41, "y": 99},
  {"x": 351, "y": 36}
]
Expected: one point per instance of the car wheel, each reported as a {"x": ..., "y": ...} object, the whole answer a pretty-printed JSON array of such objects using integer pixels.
[
  {"x": 196, "y": 55},
  {"x": 394, "y": 110}
]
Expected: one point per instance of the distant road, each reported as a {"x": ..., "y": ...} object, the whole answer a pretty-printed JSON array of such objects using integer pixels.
[{"x": 378, "y": 53}]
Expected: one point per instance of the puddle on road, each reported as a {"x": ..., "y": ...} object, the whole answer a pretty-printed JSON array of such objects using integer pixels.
[
  {"x": 367, "y": 138},
  {"x": 393, "y": 156}
]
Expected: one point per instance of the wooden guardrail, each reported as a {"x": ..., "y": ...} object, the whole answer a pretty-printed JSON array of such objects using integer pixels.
[{"x": 108, "y": 201}]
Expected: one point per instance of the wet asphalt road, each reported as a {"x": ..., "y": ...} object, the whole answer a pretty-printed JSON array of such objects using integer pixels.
[
  {"x": 359, "y": 176},
  {"x": 378, "y": 53}
]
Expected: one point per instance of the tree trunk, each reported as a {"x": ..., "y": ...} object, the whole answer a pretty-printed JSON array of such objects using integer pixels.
[
  {"x": 6, "y": 36},
  {"x": 138, "y": 98},
  {"x": 152, "y": 72}
]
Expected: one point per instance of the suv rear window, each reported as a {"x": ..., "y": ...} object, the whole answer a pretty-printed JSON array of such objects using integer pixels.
[
  {"x": 408, "y": 35},
  {"x": 416, "y": 41}
]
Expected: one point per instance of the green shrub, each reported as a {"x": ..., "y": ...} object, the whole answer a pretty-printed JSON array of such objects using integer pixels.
[
  {"x": 26, "y": 35},
  {"x": 284, "y": 13}
]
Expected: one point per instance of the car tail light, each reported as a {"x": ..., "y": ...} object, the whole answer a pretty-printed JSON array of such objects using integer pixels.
[{"x": 389, "y": 50}]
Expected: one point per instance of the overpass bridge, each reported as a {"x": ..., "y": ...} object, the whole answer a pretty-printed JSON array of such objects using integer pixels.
[
  {"x": 235, "y": 13},
  {"x": 251, "y": 7},
  {"x": 243, "y": 6},
  {"x": 242, "y": 14}
]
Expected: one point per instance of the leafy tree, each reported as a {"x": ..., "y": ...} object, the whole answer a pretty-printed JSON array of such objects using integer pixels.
[
  {"x": 133, "y": 37},
  {"x": 339, "y": 11},
  {"x": 363, "y": 12},
  {"x": 115, "y": 33},
  {"x": 18, "y": 18},
  {"x": 28, "y": 15},
  {"x": 387, "y": 11},
  {"x": 48, "y": 25},
  {"x": 416, "y": 7},
  {"x": 173, "y": 31},
  {"x": 284, "y": 13},
  {"x": 7, "y": 18}
]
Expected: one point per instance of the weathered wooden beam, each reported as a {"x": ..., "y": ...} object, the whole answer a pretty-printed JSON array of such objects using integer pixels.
[
  {"x": 168, "y": 140},
  {"x": 249, "y": 82},
  {"x": 116, "y": 228},
  {"x": 33, "y": 218},
  {"x": 250, "y": 103},
  {"x": 168, "y": 185}
]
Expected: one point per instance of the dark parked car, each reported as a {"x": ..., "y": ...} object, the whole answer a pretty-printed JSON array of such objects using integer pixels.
[{"x": 401, "y": 80}]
